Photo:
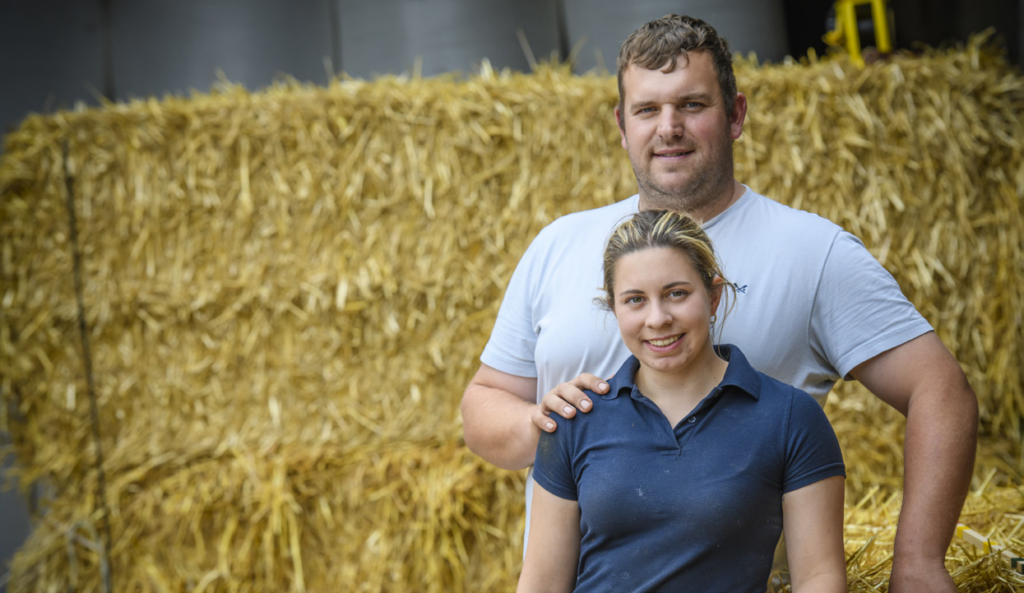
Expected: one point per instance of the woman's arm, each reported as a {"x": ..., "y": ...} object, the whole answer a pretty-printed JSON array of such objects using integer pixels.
[
  {"x": 812, "y": 520},
  {"x": 553, "y": 551}
]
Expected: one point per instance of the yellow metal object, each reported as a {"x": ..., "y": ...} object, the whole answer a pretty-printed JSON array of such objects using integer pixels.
[{"x": 846, "y": 27}]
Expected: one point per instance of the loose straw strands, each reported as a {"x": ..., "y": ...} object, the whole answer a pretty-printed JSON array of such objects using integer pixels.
[
  {"x": 293, "y": 518},
  {"x": 287, "y": 291}
]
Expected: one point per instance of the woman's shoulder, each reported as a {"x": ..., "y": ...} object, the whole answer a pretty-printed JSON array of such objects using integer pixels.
[{"x": 794, "y": 404}]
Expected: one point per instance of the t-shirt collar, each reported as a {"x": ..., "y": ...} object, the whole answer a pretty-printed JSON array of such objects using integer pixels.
[
  {"x": 735, "y": 207},
  {"x": 738, "y": 374}
]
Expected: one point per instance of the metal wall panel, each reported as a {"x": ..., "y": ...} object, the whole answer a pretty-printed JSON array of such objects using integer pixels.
[
  {"x": 749, "y": 25},
  {"x": 49, "y": 56},
  {"x": 163, "y": 46},
  {"x": 14, "y": 520},
  {"x": 386, "y": 36}
]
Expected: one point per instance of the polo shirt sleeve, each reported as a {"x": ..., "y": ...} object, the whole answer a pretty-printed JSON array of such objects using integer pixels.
[
  {"x": 552, "y": 467},
  {"x": 513, "y": 340},
  {"x": 859, "y": 310},
  {"x": 812, "y": 449}
]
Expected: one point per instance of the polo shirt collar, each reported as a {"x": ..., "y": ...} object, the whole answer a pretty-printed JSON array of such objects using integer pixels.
[
  {"x": 623, "y": 379},
  {"x": 738, "y": 374}
]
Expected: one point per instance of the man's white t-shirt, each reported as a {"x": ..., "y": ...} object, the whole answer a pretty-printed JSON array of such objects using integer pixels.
[{"x": 811, "y": 301}]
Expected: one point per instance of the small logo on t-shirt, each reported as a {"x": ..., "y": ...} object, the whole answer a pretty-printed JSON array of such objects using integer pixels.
[{"x": 739, "y": 288}]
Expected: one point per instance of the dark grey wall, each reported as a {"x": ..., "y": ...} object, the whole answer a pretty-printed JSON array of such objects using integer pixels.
[
  {"x": 14, "y": 519},
  {"x": 387, "y": 36},
  {"x": 161, "y": 47},
  {"x": 50, "y": 56},
  {"x": 757, "y": 26},
  {"x": 56, "y": 52}
]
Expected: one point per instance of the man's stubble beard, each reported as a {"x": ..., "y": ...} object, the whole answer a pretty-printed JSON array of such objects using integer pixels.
[{"x": 708, "y": 184}]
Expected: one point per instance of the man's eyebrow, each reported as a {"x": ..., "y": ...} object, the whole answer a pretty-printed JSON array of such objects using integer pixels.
[
  {"x": 641, "y": 105},
  {"x": 702, "y": 96},
  {"x": 705, "y": 97}
]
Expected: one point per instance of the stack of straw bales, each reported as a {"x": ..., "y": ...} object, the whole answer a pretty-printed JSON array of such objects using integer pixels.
[{"x": 285, "y": 293}]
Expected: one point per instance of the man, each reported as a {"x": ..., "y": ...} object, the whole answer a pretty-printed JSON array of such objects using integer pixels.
[{"x": 812, "y": 306}]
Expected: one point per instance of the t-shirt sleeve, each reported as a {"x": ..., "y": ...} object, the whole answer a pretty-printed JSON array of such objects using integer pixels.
[
  {"x": 812, "y": 449},
  {"x": 859, "y": 310},
  {"x": 552, "y": 468},
  {"x": 513, "y": 340}
]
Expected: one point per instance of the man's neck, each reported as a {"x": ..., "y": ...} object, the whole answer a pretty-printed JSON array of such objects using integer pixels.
[{"x": 726, "y": 199}]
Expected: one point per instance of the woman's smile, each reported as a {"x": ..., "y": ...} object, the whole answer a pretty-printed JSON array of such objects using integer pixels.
[{"x": 664, "y": 344}]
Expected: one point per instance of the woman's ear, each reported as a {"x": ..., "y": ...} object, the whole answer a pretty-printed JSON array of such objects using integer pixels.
[{"x": 717, "y": 286}]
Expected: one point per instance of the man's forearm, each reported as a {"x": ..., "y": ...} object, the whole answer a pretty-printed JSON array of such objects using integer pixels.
[
  {"x": 939, "y": 454},
  {"x": 498, "y": 428}
]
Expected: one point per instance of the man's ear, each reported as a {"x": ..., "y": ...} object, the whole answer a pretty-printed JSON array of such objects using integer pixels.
[
  {"x": 621, "y": 127},
  {"x": 738, "y": 116}
]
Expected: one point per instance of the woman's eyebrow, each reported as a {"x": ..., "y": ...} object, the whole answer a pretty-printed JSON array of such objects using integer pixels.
[
  {"x": 678, "y": 283},
  {"x": 631, "y": 291}
]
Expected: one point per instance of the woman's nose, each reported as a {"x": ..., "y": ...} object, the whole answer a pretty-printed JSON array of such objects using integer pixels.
[{"x": 658, "y": 316}]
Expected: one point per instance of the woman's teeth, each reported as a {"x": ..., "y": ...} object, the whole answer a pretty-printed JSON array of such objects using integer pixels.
[{"x": 664, "y": 342}]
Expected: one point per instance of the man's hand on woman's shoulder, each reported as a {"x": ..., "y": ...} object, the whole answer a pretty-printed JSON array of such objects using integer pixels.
[{"x": 566, "y": 398}]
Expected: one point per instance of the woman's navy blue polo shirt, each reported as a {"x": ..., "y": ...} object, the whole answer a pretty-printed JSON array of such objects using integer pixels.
[{"x": 694, "y": 508}]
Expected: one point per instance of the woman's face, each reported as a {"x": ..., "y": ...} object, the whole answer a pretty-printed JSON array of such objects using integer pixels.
[{"x": 663, "y": 310}]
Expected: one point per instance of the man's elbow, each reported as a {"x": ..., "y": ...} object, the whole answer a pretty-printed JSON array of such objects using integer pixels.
[
  {"x": 952, "y": 403},
  {"x": 481, "y": 435},
  {"x": 470, "y": 429},
  {"x": 961, "y": 397}
]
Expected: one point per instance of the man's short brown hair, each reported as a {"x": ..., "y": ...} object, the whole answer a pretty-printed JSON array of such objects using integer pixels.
[{"x": 659, "y": 44}]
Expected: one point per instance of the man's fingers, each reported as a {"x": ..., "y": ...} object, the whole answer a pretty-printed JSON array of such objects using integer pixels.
[
  {"x": 542, "y": 420},
  {"x": 560, "y": 400},
  {"x": 566, "y": 398},
  {"x": 591, "y": 382}
]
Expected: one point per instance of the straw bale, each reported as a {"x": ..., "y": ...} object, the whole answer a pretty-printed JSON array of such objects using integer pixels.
[{"x": 286, "y": 292}]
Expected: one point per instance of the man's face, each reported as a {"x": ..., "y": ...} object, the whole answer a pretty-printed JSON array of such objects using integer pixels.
[{"x": 678, "y": 134}]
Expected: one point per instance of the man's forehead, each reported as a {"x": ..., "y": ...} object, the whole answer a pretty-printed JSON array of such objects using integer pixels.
[{"x": 635, "y": 72}]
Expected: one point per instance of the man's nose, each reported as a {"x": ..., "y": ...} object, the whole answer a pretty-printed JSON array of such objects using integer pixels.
[{"x": 671, "y": 122}]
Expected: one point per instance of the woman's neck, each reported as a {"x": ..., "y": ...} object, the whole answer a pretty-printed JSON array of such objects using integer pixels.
[{"x": 682, "y": 387}]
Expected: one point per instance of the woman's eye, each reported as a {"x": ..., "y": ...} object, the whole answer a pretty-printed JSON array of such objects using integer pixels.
[
  {"x": 677, "y": 293},
  {"x": 634, "y": 300}
]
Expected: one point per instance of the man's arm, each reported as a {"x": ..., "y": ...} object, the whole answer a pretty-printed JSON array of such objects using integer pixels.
[
  {"x": 501, "y": 422},
  {"x": 924, "y": 382}
]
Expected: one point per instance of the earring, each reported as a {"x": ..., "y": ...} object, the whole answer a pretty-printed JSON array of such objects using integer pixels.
[{"x": 714, "y": 318}]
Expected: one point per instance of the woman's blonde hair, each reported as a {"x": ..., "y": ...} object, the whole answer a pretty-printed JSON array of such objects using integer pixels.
[{"x": 650, "y": 229}]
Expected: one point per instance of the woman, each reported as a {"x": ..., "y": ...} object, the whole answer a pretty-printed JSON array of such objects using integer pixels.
[{"x": 684, "y": 476}]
